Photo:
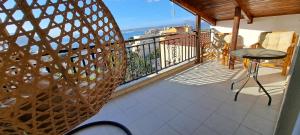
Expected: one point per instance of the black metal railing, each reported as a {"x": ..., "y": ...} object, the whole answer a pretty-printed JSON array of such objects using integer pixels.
[{"x": 149, "y": 55}]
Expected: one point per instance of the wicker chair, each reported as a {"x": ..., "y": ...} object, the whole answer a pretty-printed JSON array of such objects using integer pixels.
[
  {"x": 281, "y": 41},
  {"x": 59, "y": 64},
  {"x": 216, "y": 48}
]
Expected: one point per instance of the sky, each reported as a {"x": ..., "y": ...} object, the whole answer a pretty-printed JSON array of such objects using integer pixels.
[
  {"x": 127, "y": 13},
  {"x": 144, "y": 13}
]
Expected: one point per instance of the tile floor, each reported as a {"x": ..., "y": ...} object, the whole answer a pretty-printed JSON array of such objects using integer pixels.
[{"x": 197, "y": 101}]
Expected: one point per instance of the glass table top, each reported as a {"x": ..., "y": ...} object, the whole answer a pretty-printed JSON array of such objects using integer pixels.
[{"x": 258, "y": 53}]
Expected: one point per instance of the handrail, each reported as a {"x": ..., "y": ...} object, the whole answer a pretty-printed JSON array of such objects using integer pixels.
[
  {"x": 159, "y": 36},
  {"x": 157, "y": 53}
]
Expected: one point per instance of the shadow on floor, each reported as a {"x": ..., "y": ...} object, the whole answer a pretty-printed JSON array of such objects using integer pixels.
[{"x": 206, "y": 73}]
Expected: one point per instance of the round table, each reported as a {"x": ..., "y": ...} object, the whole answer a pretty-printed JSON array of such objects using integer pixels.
[{"x": 255, "y": 56}]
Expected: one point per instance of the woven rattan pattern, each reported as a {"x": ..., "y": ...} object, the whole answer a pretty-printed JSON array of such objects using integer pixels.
[{"x": 60, "y": 60}]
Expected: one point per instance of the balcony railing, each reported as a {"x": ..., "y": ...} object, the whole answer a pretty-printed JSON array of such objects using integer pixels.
[
  {"x": 152, "y": 54},
  {"x": 146, "y": 56}
]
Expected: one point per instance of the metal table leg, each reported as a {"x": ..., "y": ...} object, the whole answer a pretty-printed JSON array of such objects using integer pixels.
[
  {"x": 249, "y": 72},
  {"x": 239, "y": 80},
  {"x": 237, "y": 93},
  {"x": 254, "y": 73},
  {"x": 260, "y": 86}
]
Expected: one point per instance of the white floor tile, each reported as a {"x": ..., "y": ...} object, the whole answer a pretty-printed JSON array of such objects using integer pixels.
[
  {"x": 179, "y": 103},
  {"x": 165, "y": 97},
  {"x": 242, "y": 130},
  {"x": 192, "y": 95},
  {"x": 184, "y": 124},
  {"x": 165, "y": 112},
  {"x": 126, "y": 102},
  {"x": 232, "y": 111},
  {"x": 220, "y": 93},
  {"x": 204, "y": 130},
  {"x": 275, "y": 104},
  {"x": 148, "y": 124},
  {"x": 221, "y": 124},
  {"x": 209, "y": 102},
  {"x": 136, "y": 112},
  {"x": 259, "y": 124},
  {"x": 265, "y": 112},
  {"x": 166, "y": 130},
  {"x": 244, "y": 98},
  {"x": 198, "y": 112}
]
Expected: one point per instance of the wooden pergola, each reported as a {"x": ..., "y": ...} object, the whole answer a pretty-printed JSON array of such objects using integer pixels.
[{"x": 217, "y": 10}]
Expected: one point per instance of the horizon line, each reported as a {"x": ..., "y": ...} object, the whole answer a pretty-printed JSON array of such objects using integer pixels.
[{"x": 162, "y": 25}]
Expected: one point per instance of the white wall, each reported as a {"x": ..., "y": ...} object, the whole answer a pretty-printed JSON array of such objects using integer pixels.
[{"x": 250, "y": 32}]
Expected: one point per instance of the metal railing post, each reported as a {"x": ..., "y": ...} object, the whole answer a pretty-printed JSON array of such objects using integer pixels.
[
  {"x": 155, "y": 57},
  {"x": 170, "y": 53},
  {"x": 145, "y": 60},
  {"x": 199, "y": 57},
  {"x": 149, "y": 55}
]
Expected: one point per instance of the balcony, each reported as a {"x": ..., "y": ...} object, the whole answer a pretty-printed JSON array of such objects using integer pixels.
[
  {"x": 59, "y": 67},
  {"x": 196, "y": 101},
  {"x": 165, "y": 92}
]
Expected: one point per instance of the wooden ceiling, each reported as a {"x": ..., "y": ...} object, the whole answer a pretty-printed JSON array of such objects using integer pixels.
[{"x": 215, "y": 10}]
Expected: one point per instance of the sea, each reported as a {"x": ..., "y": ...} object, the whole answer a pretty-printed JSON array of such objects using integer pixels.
[
  {"x": 141, "y": 31},
  {"x": 128, "y": 34}
]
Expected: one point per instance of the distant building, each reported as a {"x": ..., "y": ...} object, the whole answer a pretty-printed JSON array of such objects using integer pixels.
[
  {"x": 147, "y": 42},
  {"x": 176, "y": 50},
  {"x": 153, "y": 32},
  {"x": 171, "y": 51},
  {"x": 177, "y": 29}
]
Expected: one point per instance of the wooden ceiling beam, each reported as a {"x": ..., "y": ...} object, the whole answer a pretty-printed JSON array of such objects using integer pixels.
[
  {"x": 245, "y": 12},
  {"x": 195, "y": 11}
]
